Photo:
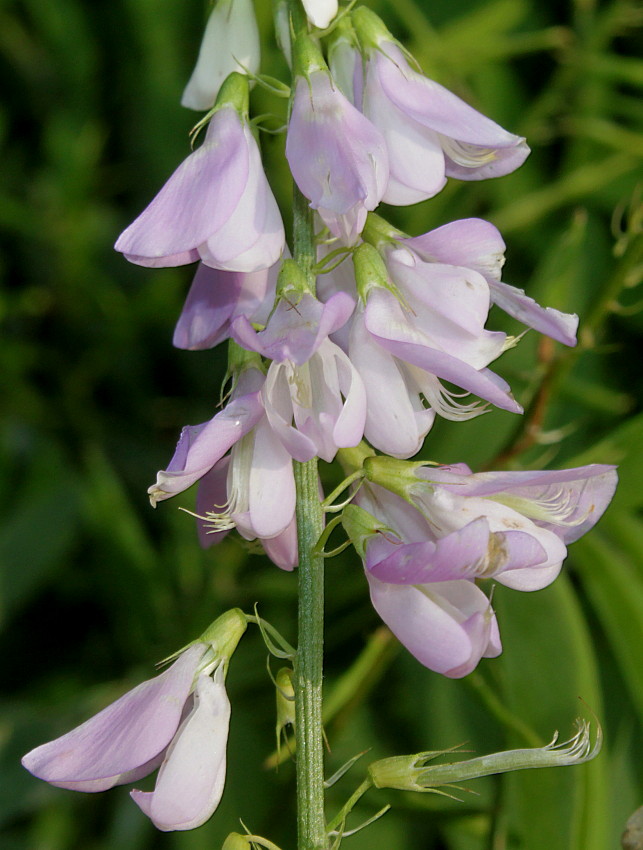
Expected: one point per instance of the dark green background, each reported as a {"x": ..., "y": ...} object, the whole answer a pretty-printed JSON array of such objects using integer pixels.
[{"x": 95, "y": 587}]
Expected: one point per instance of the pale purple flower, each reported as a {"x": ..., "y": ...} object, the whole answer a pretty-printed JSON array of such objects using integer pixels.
[
  {"x": 313, "y": 396},
  {"x": 200, "y": 447},
  {"x": 448, "y": 626},
  {"x": 216, "y": 298},
  {"x": 164, "y": 721},
  {"x": 214, "y": 496},
  {"x": 430, "y": 133},
  {"x": 444, "y": 620},
  {"x": 230, "y": 43},
  {"x": 565, "y": 502},
  {"x": 190, "y": 781},
  {"x": 216, "y": 207},
  {"x": 337, "y": 157},
  {"x": 478, "y": 245},
  {"x": 402, "y": 360}
]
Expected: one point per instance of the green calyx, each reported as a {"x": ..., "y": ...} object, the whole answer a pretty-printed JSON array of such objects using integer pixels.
[
  {"x": 307, "y": 56},
  {"x": 370, "y": 270},
  {"x": 225, "y": 633},
  {"x": 239, "y": 360},
  {"x": 395, "y": 475},
  {"x": 370, "y": 28},
  {"x": 359, "y": 525},
  {"x": 235, "y": 93},
  {"x": 292, "y": 282},
  {"x": 379, "y": 233}
]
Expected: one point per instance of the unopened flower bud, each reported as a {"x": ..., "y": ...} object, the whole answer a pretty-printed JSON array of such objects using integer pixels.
[
  {"x": 285, "y": 702},
  {"x": 411, "y": 773}
]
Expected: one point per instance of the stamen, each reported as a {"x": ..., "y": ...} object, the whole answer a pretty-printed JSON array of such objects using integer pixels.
[{"x": 465, "y": 154}]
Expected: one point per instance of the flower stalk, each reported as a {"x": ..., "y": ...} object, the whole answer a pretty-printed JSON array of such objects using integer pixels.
[{"x": 311, "y": 821}]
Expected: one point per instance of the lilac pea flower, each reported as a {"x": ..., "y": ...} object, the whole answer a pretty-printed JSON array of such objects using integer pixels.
[
  {"x": 446, "y": 622},
  {"x": 337, "y": 157},
  {"x": 324, "y": 398},
  {"x": 386, "y": 341},
  {"x": 566, "y": 502},
  {"x": 230, "y": 43},
  {"x": 126, "y": 740},
  {"x": 448, "y": 626},
  {"x": 190, "y": 782},
  {"x": 296, "y": 328},
  {"x": 478, "y": 245},
  {"x": 213, "y": 504},
  {"x": 200, "y": 447},
  {"x": 449, "y": 303},
  {"x": 431, "y": 134},
  {"x": 397, "y": 420},
  {"x": 217, "y": 207},
  {"x": 320, "y": 12},
  {"x": 216, "y": 298}
]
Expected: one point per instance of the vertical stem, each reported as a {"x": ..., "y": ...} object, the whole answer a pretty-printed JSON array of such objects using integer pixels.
[
  {"x": 311, "y": 822},
  {"x": 311, "y": 825}
]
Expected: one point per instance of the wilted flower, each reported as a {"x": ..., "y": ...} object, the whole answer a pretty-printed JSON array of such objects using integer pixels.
[
  {"x": 230, "y": 43},
  {"x": 337, "y": 157},
  {"x": 217, "y": 206},
  {"x": 430, "y": 133},
  {"x": 178, "y": 721}
]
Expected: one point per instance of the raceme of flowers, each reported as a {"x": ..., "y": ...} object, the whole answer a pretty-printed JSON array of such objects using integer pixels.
[{"x": 393, "y": 336}]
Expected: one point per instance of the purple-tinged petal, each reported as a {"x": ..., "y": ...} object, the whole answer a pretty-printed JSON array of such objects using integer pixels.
[
  {"x": 455, "y": 556},
  {"x": 279, "y": 411},
  {"x": 215, "y": 298},
  {"x": 252, "y": 237},
  {"x": 349, "y": 425},
  {"x": 416, "y": 158},
  {"x": 470, "y": 242},
  {"x": 201, "y": 446},
  {"x": 197, "y": 199},
  {"x": 129, "y": 733},
  {"x": 450, "y": 305},
  {"x": 447, "y": 626},
  {"x": 337, "y": 157},
  {"x": 545, "y": 320},
  {"x": 271, "y": 498},
  {"x": 475, "y": 147},
  {"x": 211, "y": 494},
  {"x": 282, "y": 549},
  {"x": 566, "y": 501},
  {"x": 396, "y": 422},
  {"x": 390, "y": 328},
  {"x": 295, "y": 330},
  {"x": 191, "y": 779}
]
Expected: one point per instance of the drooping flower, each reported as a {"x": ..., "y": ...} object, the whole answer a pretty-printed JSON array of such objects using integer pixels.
[
  {"x": 337, "y": 157},
  {"x": 478, "y": 245},
  {"x": 216, "y": 298},
  {"x": 403, "y": 349},
  {"x": 430, "y": 133},
  {"x": 230, "y": 43},
  {"x": 509, "y": 526},
  {"x": 217, "y": 206},
  {"x": 448, "y": 623},
  {"x": 178, "y": 721},
  {"x": 313, "y": 396}
]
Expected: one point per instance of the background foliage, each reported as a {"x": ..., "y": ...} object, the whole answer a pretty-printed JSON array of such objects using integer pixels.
[{"x": 95, "y": 586}]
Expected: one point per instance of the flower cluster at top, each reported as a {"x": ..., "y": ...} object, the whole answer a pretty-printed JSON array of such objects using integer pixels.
[
  {"x": 355, "y": 366},
  {"x": 363, "y": 357}
]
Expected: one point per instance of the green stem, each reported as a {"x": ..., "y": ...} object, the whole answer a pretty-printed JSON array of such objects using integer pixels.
[
  {"x": 311, "y": 822},
  {"x": 311, "y": 825}
]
